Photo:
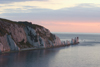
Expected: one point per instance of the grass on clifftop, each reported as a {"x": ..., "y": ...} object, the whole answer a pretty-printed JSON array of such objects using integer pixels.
[
  {"x": 26, "y": 23},
  {"x": 6, "y": 20}
]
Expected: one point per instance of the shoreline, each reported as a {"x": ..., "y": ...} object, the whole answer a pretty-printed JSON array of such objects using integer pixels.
[{"x": 29, "y": 49}]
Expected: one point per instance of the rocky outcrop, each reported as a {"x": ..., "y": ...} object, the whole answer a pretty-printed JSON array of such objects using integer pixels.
[
  {"x": 16, "y": 36},
  {"x": 72, "y": 42}
]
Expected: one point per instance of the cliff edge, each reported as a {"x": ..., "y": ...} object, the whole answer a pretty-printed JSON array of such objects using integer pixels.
[{"x": 16, "y": 36}]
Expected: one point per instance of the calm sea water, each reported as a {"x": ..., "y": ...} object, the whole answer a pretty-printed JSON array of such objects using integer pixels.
[{"x": 85, "y": 54}]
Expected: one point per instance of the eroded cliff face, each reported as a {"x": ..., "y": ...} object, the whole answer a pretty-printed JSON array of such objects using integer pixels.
[{"x": 15, "y": 36}]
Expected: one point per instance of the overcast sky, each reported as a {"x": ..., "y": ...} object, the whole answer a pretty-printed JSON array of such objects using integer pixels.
[{"x": 70, "y": 15}]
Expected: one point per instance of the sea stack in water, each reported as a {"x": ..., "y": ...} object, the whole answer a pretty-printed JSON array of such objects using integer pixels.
[
  {"x": 72, "y": 41},
  {"x": 75, "y": 41},
  {"x": 68, "y": 43},
  {"x": 16, "y": 36}
]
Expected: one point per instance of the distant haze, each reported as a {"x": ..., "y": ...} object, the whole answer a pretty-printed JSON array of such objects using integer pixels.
[{"x": 57, "y": 15}]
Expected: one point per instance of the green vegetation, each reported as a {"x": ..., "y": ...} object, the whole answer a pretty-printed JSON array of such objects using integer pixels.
[
  {"x": 9, "y": 21},
  {"x": 26, "y": 23}
]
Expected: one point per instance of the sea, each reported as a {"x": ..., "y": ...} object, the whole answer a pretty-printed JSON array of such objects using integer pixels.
[{"x": 84, "y": 54}]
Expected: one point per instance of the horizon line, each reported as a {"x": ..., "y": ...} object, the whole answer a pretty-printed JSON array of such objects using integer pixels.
[{"x": 73, "y": 33}]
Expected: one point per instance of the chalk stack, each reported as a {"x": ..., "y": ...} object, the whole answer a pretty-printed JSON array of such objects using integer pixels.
[
  {"x": 68, "y": 42},
  {"x": 73, "y": 41}
]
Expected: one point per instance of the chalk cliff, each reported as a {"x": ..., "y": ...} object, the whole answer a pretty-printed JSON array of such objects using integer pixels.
[{"x": 15, "y": 36}]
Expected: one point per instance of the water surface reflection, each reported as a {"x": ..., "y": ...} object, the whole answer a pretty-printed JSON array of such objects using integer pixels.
[
  {"x": 36, "y": 58},
  {"x": 85, "y": 54}
]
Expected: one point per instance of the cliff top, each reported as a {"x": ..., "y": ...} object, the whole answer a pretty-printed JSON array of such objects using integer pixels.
[
  {"x": 25, "y": 23},
  {"x": 5, "y": 23}
]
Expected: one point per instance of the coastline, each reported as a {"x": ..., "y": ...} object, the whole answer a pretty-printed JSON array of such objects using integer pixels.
[
  {"x": 23, "y": 36},
  {"x": 29, "y": 49}
]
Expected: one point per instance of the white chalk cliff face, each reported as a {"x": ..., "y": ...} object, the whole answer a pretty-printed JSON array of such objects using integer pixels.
[
  {"x": 20, "y": 35},
  {"x": 11, "y": 43}
]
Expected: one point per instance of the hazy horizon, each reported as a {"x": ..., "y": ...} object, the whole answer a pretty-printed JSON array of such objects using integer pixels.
[
  {"x": 74, "y": 33},
  {"x": 56, "y": 15}
]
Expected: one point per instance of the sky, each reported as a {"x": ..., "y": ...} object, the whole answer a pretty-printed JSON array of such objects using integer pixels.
[{"x": 72, "y": 16}]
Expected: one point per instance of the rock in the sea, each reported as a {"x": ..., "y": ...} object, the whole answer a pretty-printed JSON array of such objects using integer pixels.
[
  {"x": 77, "y": 40},
  {"x": 68, "y": 43},
  {"x": 72, "y": 41}
]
